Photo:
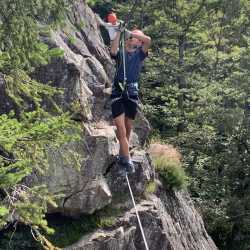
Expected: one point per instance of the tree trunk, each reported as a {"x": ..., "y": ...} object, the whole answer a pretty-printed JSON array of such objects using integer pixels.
[{"x": 181, "y": 83}]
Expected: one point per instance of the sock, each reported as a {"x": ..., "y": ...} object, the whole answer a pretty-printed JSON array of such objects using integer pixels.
[{"x": 124, "y": 159}]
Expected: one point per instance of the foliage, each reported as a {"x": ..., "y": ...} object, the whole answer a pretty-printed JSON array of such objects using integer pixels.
[
  {"x": 28, "y": 94},
  {"x": 29, "y": 132},
  {"x": 167, "y": 162},
  {"x": 195, "y": 90},
  {"x": 20, "y": 239},
  {"x": 68, "y": 230},
  {"x": 150, "y": 188},
  {"x": 72, "y": 40},
  {"x": 172, "y": 173},
  {"x": 20, "y": 25},
  {"x": 28, "y": 140}
]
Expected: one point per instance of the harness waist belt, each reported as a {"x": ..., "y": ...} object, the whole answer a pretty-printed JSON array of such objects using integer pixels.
[{"x": 127, "y": 85}]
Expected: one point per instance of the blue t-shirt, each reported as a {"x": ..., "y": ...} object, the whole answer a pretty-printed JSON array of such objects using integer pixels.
[{"x": 134, "y": 63}]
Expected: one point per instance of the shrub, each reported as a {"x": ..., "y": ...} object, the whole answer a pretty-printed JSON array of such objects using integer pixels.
[
  {"x": 150, "y": 188},
  {"x": 167, "y": 161}
]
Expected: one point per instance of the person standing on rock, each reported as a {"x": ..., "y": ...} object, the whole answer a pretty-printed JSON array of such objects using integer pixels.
[{"x": 124, "y": 99}]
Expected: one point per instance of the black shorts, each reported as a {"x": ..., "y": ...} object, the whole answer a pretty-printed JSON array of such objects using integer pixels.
[{"x": 124, "y": 105}]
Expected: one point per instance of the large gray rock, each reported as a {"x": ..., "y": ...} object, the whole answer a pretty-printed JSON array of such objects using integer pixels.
[
  {"x": 81, "y": 182},
  {"x": 169, "y": 223},
  {"x": 144, "y": 173},
  {"x": 84, "y": 72}
]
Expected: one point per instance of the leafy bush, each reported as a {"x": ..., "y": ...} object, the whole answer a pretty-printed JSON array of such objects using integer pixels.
[
  {"x": 150, "y": 187},
  {"x": 172, "y": 173},
  {"x": 69, "y": 230},
  {"x": 168, "y": 164},
  {"x": 28, "y": 139}
]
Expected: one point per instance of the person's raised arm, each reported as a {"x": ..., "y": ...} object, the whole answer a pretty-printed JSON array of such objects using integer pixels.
[
  {"x": 115, "y": 44},
  {"x": 146, "y": 40},
  {"x": 114, "y": 34}
]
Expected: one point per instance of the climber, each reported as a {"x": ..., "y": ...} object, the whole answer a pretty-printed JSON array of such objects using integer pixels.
[{"x": 124, "y": 96}]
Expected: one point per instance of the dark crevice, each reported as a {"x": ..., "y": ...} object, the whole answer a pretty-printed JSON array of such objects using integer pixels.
[
  {"x": 110, "y": 166},
  {"x": 75, "y": 193}
]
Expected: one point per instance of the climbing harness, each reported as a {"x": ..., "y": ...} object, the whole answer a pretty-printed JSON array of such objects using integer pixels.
[{"x": 137, "y": 214}]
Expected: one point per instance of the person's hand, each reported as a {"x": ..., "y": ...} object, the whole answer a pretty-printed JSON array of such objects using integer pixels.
[
  {"x": 128, "y": 34},
  {"x": 122, "y": 28},
  {"x": 114, "y": 29}
]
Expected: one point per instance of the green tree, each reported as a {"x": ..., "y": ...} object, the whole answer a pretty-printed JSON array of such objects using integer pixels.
[
  {"x": 195, "y": 91},
  {"x": 21, "y": 22},
  {"x": 28, "y": 132},
  {"x": 24, "y": 147}
]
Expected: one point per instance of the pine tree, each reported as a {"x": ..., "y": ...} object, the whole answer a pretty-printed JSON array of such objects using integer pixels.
[
  {"x": 195, "y": 91},
  {"x": 28, "y": 131}
]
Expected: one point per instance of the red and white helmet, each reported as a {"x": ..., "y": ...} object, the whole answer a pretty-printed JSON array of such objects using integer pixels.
[{"x": 112, "y": 18}]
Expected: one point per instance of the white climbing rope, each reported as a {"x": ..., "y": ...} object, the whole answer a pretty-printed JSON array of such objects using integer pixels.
[
  {"x": 124, "y": 60},
  {"x": 137, "y": 214}
]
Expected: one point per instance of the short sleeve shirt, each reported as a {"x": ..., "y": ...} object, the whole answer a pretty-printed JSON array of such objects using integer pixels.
[{"x": 134, "y": 62}]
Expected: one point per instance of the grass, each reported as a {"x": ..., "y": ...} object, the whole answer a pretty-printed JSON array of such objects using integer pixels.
[
  {"x": 71, "y": 39},
  {"x": 69, "y": 231},
  {"x": 172, "y": 173},
  {"x": 167, "y": 162},
  {"x": 150, "y": 188}
]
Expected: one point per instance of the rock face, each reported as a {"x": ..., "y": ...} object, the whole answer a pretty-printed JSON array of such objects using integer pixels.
[
  {"x": 169, "y": 222},
  {"x": 85, "y": 72}
]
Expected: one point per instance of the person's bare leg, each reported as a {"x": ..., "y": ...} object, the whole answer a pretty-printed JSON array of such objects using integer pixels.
[
  {"x": 121, "y": 135},
  {"x": 128, "y": 126},
  {"x": 124, "y": 145}
]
